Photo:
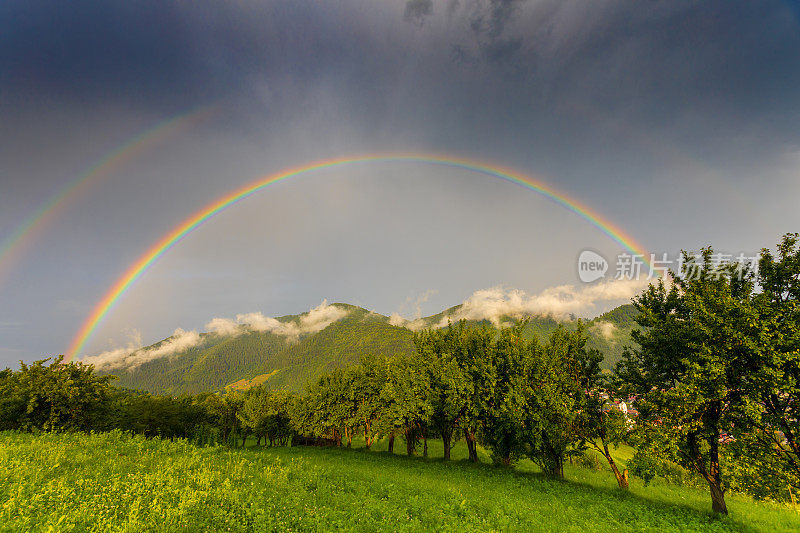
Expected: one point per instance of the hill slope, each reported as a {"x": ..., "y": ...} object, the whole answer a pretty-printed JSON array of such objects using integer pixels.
[
  {"x": 114, "y": 482},
  {"x": 255, "y": 357}
]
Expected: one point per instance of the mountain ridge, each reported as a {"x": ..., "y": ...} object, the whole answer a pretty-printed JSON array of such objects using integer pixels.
[{"x": 248, "y": 357}]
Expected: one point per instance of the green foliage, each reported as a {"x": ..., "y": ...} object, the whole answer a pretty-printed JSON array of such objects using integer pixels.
[
  {"x": 561, "y": 373},
  {"x": 160, "y": 416},
  {"x": 506, "y": 391},
  {"x": 771, "y": 422},
  {"x": 407, "y": 398},
  {"x": 329, "y": 408},
  {"x": 57, "y": 396},
  {"x": 267, "y": 414},
  {"x": 449, "y": 359},
  {"x": 590, "y": 460},
  {"x": 757, "y": 470},
  {"x": 369, "y": 379}
]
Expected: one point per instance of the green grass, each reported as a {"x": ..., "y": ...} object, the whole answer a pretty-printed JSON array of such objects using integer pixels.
[{"x": 112, "y": 482}]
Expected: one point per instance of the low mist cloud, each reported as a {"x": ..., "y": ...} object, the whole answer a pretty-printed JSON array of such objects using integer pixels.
[
  {"x": 315, "y": 320},
  {"x": 558, "y": 302},
  {"x": 605, "y": 329},
  {"x": 497, "y": 303},
  {"x": 133, "y": 356}
]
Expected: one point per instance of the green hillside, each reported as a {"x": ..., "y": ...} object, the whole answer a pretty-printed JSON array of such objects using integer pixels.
[
  {"x": 221, "y": 361},
  {"x": 612, "y": 341},
  {"x": 116, "y": 482}
]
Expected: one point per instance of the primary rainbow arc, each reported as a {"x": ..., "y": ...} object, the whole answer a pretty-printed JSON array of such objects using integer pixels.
[{"x": 180, "y": 231}]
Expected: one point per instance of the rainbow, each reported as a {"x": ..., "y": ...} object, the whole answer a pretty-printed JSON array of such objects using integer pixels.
[
  {"x": 37, "y": 221},
  {"x": 183, "y": 229}
]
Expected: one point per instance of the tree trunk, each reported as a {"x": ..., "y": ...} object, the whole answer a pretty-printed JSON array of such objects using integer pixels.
[
  {"x": 472, "y": 445},
  {"x": 715, "y": 481},
  {"x": 391, "y": 443},
  {"x": 712, "y": 474},
  {"x": 555, "y": 468},
  {"x": 367, "y": 436},
  {"x": 349, "y": 432},
  {"x": 622, "y": 478},
  {"x": 717, "y": 498},
  {"x": 410, "y": 447},
  {"x": 446, "y": 436},
  {"x": 424, "y": 446},
  {"x": 552, "y": 460}
]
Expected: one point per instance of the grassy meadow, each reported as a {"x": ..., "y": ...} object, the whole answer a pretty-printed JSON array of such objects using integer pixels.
[{"x": 115, "y": 482}]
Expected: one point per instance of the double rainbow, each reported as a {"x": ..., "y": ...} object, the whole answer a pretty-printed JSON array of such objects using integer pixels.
[{"x": 180, "y": 231}]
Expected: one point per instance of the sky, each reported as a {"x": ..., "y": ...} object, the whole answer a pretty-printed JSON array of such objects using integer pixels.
[{"x": 677, "y": 122}]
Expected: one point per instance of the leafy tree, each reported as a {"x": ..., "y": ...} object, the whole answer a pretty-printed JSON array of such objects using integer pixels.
[
  {"x": 449, "y": 381},
  {"x": 369, "y": 379},
  {"x": 561, "y": 373},
  {"x": 223, "y": 409},
  {"x": 407, "y": 398},
  {"x": 691, "y": 368},
  {"x": 255, "y": 412},
  {"x": 267, "y": 414},
  {"x": 58, "y": 396},
  {"x": 774, "y": 413},
  {"x": 330, "y": 407},
  {"x": 159, "y": 416},
  {"x": 506, "y": 390},
  {"x": 12, "y": 402},
  {"x": 279, "y": 423},
  {"x": 475, "y": 356}
]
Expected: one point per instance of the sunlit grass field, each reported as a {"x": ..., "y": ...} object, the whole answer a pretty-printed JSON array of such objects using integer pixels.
[{"x": 114, "y": 482}]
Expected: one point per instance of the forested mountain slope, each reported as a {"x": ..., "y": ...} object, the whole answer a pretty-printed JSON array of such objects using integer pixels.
[{"x": 255, "y": 357}]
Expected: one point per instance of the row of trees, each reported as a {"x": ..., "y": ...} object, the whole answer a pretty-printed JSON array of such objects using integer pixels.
[
  {"x": 516, "y": 397},
  {"x": 70, "y": 397}
]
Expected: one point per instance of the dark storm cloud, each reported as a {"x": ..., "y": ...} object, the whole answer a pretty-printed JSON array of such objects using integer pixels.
[
  {"x": 715, "y": 59},
  {"x": 488, "y": 23},
  {"x": 471, "y": 75},
  {"x": 417, "y": 10},
  {"x": 93, "y": 48},
  {"x": 157, "y": 53}
]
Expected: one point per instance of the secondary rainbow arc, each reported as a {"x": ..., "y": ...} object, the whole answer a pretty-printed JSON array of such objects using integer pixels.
[
  {"x": 38, "y": 220},
  {"x": 180, "y": 231}
]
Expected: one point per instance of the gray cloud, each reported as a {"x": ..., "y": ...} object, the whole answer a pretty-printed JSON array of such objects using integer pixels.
[{"x": 417, "y": 10}]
